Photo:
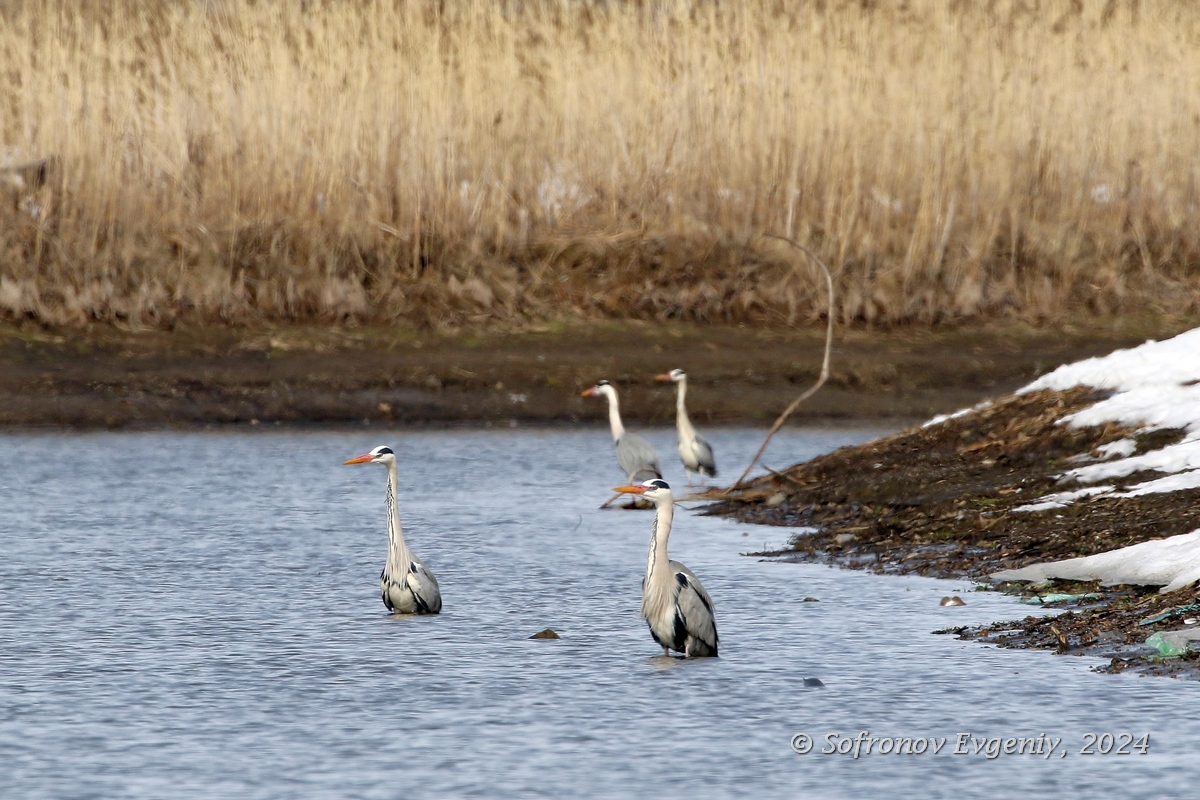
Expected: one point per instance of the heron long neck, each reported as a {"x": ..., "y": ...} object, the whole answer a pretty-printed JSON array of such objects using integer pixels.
[
  {"x": 658, "y": 562},
  {"x": 682, "y": 423},
  {"x": 399, "y": 556},
  {"x": 614, "y": 416}
]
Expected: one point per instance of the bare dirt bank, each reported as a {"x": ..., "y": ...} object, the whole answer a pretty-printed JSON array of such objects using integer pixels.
[{"x": 102, "y": 377}]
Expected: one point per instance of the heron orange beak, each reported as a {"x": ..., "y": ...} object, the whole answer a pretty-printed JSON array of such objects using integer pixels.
[
  {"x": 364, "y": 459},
  {"x": 630, "y": 489},
  {"x": 588, "y": 392},
  {"x": 664, "y": 378}
]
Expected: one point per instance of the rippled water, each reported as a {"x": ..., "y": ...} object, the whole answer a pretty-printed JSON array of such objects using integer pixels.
[{"x": 197, "y": 616}]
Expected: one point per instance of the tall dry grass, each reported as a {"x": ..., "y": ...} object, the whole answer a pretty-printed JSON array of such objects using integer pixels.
[{"x": 469, "y": 161}]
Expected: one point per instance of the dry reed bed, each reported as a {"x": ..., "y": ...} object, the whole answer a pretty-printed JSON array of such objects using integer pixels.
[{"x": 459, "y": 162}]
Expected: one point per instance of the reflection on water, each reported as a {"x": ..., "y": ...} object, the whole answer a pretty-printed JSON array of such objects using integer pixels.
[{"x": 197, "y": 615}]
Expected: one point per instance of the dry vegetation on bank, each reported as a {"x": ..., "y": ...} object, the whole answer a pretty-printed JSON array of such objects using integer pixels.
[{"x": 471, "y": 161}]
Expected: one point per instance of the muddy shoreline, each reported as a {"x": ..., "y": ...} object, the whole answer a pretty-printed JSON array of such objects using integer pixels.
[
  {"x": 945, "y": 501},
  {"x": 101, "y": 377}
]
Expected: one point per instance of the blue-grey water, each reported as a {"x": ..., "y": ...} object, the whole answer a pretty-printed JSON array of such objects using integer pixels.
[{"x": 194, "y": 615}]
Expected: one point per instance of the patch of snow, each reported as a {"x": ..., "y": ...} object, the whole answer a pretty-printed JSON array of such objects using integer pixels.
[
  {"x": 1171, "y": 563},
  {"x": 1062, "y": 499},
  {"x": 1121, "y": 447},
  {"x": 1173, "y": 362},
  {"x": 1179, "y": 457},
  {"x": 1155, "y": 386},
  {"x": 1155, "y": 406},
  {"x": 1169, "y": 483},
  {"x": 940, "y": 418}
]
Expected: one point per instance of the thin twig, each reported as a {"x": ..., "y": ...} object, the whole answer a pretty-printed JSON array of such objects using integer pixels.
[{"x": 824, "y": 365}]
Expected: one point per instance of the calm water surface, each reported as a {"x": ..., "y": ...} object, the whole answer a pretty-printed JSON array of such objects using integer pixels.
[{"x": 197, "y": 616}]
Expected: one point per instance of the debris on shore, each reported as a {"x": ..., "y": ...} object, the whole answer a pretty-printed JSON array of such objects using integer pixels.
[{"x": 1089, "y": 475}]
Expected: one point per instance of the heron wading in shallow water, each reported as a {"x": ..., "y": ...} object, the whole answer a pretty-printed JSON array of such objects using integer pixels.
[
  {"x": 694, "y": 450},
  {"x": 674, "y": 602},
  {"x": 406, "y": 585},
  {"x": 635, "y": 455}
]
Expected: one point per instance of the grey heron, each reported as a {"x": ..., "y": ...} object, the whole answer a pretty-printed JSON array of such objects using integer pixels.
[
  {"x": 694, "y": 450},
  {"x": 406, "y": 585},
  {"x": 674, "y": 603},
  {"x": 634, "y": 454}
]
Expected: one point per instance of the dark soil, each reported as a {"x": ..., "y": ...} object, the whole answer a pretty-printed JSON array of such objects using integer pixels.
[
  {"x": 102, "y": 377},
  {"x": 939, "y": 501}
]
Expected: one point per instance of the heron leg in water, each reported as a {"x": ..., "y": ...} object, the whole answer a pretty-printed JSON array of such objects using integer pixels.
[
  {"x": 666, "y": 653},
  {"x": 689, "y": 474}
]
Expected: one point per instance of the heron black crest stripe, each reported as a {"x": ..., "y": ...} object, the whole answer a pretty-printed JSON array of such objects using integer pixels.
[
  {"x": 383, "y": 451},
  {"x": 603, "y": 383},
  {"x": 659, "y": 483}
]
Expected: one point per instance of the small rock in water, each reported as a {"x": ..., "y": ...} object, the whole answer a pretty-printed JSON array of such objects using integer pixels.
[
  {"x": 546, "y": 634},
  {"x": 844, "y": 538},
  {"x": 953, "y": 601},
  {"x": 776, "y": 499},
  {"x": 811, "y": 600},
  {"x": 814, "y": 682}
]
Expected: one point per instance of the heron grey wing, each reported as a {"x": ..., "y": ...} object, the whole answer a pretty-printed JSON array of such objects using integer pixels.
[
  {"x": 696, "y": 606},
  {"x": 704, "y": 455},
  {"x": 424, "y": 587},
  {"x": 636, "y": 455}
]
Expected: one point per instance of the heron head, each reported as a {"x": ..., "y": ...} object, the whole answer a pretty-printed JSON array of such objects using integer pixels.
[
  {"x": 656, "y": 490},
  {"x": 602, "y": 388},
  {"x": 380, "y": 455},
  {"x": 674, "y": 376}
]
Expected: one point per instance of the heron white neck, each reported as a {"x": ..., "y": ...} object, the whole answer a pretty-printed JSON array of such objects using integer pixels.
[
  {"x": 614, "y": 415},
  {"x": 399, "y": 556},
  {"x": 682, "y": 423},
  {"x": 658, "y": 562}
]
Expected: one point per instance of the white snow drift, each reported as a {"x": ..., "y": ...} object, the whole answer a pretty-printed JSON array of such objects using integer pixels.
[
  {"x": 1171, "y": 563},
  {"x": 1154, "y": 386}
]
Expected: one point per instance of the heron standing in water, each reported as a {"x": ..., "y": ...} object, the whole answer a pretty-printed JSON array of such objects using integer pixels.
[
  {"x": 694, "y": 450},
  {"x": 635, "y": 455},
  {"x": 406, "y": 584},
  {"x": 674, "y": 603}
]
